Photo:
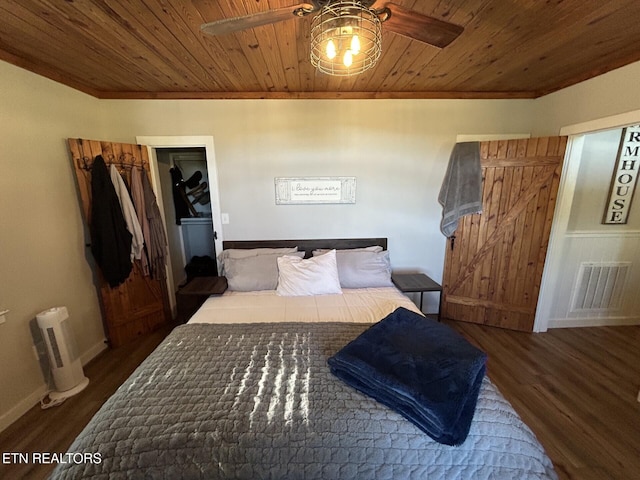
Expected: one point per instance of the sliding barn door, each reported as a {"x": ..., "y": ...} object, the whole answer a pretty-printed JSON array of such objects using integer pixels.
[
  {"x": 140, "y": 304},
  {"x": 493, "y": 266}
]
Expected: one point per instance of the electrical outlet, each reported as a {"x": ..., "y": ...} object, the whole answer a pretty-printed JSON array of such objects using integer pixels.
[{"x": 224, "y": 218}]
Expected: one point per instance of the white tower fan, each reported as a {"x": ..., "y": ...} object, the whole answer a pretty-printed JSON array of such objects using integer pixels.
[{"x": 66, "y": 366}]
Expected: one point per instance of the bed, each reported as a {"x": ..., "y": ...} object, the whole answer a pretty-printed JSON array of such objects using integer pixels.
[{"x": 243, "y": 391}]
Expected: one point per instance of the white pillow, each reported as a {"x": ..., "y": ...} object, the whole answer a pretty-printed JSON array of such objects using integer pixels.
[{"x": 313, "y": 276}]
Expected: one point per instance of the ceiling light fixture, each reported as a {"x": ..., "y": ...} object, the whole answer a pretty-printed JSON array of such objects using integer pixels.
[{"x": 346, "y": 38}]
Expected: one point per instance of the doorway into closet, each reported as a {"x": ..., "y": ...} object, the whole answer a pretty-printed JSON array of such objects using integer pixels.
[
  {"x": 185, "y": 187},
  {"x": 193, "y": 223}
]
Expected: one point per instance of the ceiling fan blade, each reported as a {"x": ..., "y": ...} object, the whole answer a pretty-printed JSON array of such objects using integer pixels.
[
  {"x": 235, "y": 24},
  {"x": 417, "y": 26}
]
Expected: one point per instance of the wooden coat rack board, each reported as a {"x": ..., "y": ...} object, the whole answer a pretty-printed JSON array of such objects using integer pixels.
[{"x": 141, "y": 304}]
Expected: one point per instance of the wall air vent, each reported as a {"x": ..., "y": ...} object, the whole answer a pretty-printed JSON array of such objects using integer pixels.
[{"x": 600, "y": 286}]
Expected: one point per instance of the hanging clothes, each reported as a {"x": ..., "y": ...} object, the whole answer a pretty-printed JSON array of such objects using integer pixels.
[
  {"x": 137, "y": 196},
  {"x": 179, "y": 198},
  {"x": 130, "y": 216},
  {"x": 110, "y": 239},
  {"x": 157, "y": 243}
]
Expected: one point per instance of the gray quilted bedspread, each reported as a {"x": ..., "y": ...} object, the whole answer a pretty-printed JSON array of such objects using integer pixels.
[{"x": 256, "y": 401}]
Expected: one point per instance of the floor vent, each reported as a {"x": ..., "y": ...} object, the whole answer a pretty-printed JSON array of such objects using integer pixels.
[{"x": 600, "y": 286}]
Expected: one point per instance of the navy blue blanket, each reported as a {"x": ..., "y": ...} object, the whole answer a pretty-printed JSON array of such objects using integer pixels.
[{"x": 422, "y": 369}]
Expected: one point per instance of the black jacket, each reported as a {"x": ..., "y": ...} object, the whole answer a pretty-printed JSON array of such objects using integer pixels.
[{"x": 110, "y": 239}]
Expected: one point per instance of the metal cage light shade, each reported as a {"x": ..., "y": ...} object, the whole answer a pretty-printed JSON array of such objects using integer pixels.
[{"x": 346, "y": 39}]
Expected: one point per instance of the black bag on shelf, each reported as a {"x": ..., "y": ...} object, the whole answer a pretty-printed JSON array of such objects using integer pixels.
[{"x": 203, "y": 266}]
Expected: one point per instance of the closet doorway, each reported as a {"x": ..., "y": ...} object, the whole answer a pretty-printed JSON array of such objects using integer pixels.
[{"x": 193, "y": 227}]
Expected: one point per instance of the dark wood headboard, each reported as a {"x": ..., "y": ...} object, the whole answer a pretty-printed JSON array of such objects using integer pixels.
[{"x": 307, "y": 245}]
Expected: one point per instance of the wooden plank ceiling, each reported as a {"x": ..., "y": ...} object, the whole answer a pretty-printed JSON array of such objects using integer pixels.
[{"x": 154, "y": 49}]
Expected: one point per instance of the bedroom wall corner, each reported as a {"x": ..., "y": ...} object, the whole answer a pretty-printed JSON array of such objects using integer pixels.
[
  {"x": 597, "y": 104},
  {"x": 398, "y": 151},
  {"x": 42, "y": 237},
  {"x": 613, "y": 93}
]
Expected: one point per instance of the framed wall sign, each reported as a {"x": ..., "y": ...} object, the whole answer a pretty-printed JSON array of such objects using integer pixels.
[
  {"x": 625, "y": 178},
  {"x": 315, "y": 190}
]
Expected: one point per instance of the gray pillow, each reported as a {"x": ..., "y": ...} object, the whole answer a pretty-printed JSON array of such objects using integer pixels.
[
  {"x": 258, "y": 272},
  {"x": 249, "y": 252},
  {"x": 364, "y": 269},
  {"x": 252, "y": 252},
  {"x": 373, "y": 248}
]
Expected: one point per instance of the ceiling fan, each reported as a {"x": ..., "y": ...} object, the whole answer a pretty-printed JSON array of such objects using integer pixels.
[
  {"x": 346, "y": 34},
  {"x": 394, "y": 18}
]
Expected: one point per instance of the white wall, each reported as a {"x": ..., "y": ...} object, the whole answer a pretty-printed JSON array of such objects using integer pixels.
[
  {"x": 592, "y": 186},
  {"x": 588, "y": 240},
  {"x": 397, "y": 149},
  {"x": 605, "y": 99},
  {"x": 612, "y": 93},
  {"x": 42, "y": 252}
]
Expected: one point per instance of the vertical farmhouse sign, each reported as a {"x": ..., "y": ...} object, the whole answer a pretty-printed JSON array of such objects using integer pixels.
[{"x": 625, "y": 177}]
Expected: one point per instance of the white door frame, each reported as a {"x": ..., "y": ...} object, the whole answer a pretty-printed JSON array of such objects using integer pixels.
[
  {"x": 185, "y": 141},
  {"x": 566, "y": 190}
]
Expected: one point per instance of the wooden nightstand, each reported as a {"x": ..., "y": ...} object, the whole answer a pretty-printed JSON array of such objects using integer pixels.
[
  {"x": 417, "y": 282},
  {"x": 191, "y": 297}
]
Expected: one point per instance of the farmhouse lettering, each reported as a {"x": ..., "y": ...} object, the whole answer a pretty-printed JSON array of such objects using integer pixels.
[{"x": 625, "y": 177}]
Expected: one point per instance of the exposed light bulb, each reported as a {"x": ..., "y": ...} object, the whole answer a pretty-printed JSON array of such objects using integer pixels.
[
  {"x": 355, "y": 45},
  {"x": 331, "y": 50},
  {"x": 348, "y": 58},
  {"x": 336, "y": 46}
]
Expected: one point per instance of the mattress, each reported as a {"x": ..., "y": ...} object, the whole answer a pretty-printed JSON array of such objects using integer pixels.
[
  {"x": 243, "y": 391},
  {"x": 257, "y": 401},
  {"x": 362, "y": 305}
]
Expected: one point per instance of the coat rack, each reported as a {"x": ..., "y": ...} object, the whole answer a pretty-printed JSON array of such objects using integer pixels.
[{"x": 86, "y": 163}]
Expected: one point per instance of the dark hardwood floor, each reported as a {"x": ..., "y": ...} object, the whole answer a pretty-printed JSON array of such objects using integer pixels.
[
  {"x": 575, "y": 388},
  {"x": 54, "y": 429}
]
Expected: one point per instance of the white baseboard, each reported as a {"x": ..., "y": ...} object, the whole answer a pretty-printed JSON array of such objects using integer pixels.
[
  {"x": 593, "y": 322},
  {"x": 93, "y": 352},
  {"x": 22, "y": 407},
  {"x": 34, "y": 398}
]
